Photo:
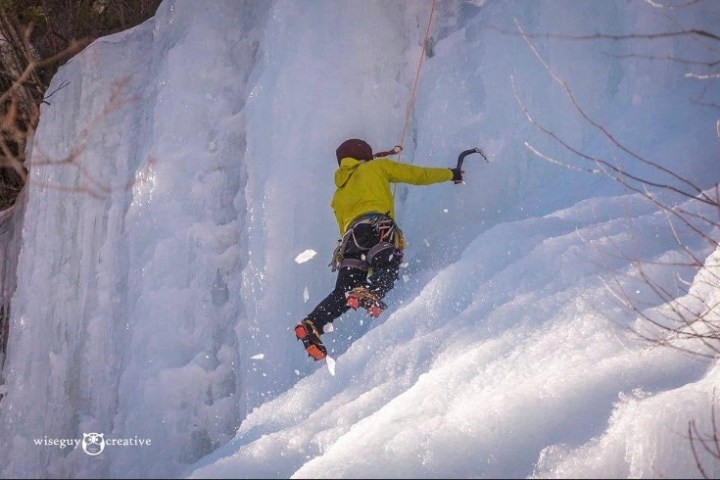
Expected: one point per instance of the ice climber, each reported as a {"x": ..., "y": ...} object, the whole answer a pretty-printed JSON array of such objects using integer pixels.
[{"x": 368, "y": 256}]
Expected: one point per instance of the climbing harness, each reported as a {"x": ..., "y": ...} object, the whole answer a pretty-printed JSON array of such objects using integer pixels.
[{"x": 384, "y": 227}]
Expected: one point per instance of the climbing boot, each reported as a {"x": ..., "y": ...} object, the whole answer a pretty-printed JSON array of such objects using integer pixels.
[
  {"x": 362, "y": 297},
  {"x": 310, "y": 337}
]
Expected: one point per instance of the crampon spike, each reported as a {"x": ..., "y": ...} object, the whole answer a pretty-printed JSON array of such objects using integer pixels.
[
  {"x": 375, "y": 311},
  {"x": 353, "y": 302}
]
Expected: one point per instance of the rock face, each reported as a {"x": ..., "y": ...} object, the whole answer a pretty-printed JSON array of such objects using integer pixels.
[{"x": 10, "y": 230}]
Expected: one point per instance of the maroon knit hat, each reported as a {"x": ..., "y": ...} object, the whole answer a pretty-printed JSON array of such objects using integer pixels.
[{"x": 354, "y": 148}]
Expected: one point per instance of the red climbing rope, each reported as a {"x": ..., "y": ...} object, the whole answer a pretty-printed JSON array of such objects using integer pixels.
[
  {"x": 411, "y": 104},
  {"x": 397, "y": 150},
  {"x": 399, "y": 147}
]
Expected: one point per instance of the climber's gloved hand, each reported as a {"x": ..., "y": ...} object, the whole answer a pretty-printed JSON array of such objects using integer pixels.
[{"x": 457, "y": 175}]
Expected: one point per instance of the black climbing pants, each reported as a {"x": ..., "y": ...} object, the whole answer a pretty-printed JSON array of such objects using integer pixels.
[{"x": 368, "y": 261}]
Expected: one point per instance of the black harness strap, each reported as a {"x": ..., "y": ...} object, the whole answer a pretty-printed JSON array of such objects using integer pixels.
[
  {"x": 354, "y": 263},
  {"x": 380, "y": 247}
]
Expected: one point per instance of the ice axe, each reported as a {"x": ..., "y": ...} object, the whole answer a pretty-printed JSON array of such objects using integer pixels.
[{"x": 465, "y": 153}]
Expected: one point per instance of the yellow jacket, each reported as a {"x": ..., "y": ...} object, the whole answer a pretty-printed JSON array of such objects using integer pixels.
[{"x": 364, "y": 187}]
